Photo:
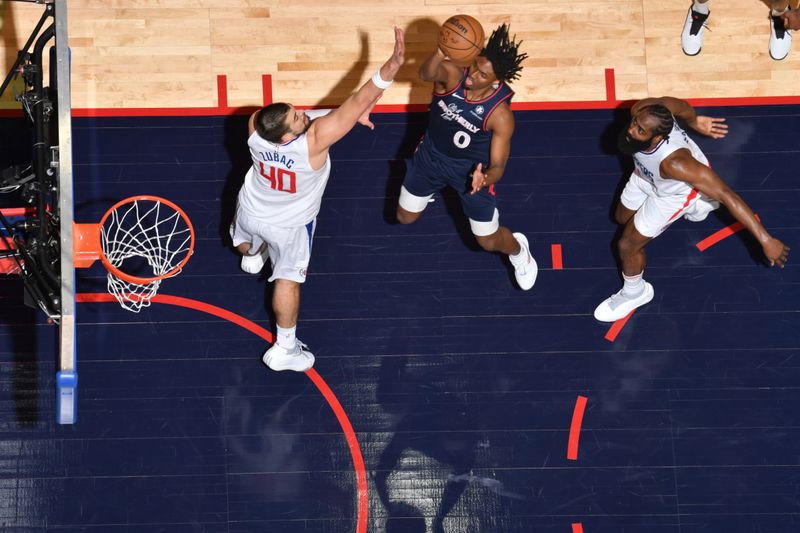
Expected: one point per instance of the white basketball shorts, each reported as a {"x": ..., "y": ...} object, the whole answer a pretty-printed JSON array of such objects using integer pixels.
[
  {"x": 289, "y": 248},
  {"x": 654, "y": 214}
]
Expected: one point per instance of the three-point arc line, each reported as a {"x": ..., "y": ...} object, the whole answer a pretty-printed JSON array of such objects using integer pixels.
[
  {"x": 362, "y": 489},
  {"x": 575, "y": 428},
  {"x": 574, "y": 438}
]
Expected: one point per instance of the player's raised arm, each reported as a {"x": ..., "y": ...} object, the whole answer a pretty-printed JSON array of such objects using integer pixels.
[
  {"x": 712, "y": 126},
  {"x": 325, "y": 131},
  {"x": 438, "y": 69}
]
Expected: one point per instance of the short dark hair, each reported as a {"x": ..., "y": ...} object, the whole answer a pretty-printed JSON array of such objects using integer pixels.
[
  {"x": 271, "y": 122},
  {"x": 665, "y": 119},
  {"x": 504, "y": 54}
]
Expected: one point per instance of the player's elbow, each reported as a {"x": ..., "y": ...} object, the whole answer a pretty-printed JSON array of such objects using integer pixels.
[{"x": 425, "y": 75}]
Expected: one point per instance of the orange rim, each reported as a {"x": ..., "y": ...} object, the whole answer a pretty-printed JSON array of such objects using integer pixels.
[{"x": 135, "y": 279}]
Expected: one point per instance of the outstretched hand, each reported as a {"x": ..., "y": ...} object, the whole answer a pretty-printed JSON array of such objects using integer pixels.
[
  {"x": 478, "y": 179},
  {"x": 398, "y": 55},
  {"x": 713, "y": 127},
  {"x": 776, "y": 252}
]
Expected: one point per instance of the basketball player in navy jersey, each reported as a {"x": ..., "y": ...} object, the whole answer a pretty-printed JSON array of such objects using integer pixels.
[
  {"x": 281, "y": 196},
  {"x": 671, "y": 180},
  {"x": 468, "y": 143}
]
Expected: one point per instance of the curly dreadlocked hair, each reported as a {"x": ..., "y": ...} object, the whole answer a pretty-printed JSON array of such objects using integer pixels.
[
  {"x": 664, "y": 117},
  {"x": 502, "y": 52}
]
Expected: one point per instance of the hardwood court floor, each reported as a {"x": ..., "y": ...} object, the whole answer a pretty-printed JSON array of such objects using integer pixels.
[
  {"x": 131, "y": 54},
  {"x": 461, "y": 388}
]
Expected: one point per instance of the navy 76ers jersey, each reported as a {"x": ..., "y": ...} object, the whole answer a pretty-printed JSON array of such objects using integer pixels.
[{"x": 457, "y": 126}]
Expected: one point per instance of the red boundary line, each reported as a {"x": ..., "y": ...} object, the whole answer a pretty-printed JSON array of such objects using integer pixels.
[
  {"x": 411, "y": 108},
  {"x": 577, "y": 528},
  {"x": 350, "y": 435},
  {"x": 617, "y": 326},
  {"x": 558, "y": 260},
  {"x": 717, "y": 236},
  {"x": 575, "y": 428},
  {"x": 222, "y": 91},
  {"x": 266, "y": 89},
  {"x": 611, "y": 86}
]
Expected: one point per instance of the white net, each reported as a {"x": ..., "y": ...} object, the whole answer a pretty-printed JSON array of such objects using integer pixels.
[{"x": 144, "y": 238}]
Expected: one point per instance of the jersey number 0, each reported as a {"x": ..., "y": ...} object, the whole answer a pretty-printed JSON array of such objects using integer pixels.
[
  {"x": 461, "y": 139},
  {"x": 277, "y": 178}
]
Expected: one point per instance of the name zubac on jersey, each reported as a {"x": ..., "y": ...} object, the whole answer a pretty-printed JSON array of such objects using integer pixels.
[{"x": 275, "y": 157}]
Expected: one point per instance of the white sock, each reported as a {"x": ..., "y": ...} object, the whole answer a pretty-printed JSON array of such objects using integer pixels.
[
  {"x": 253, "y": 251},
  {"x": 700, "y": 8},
  {"x": 634, "y": 285},
  {"x": 286, "y": 337}
]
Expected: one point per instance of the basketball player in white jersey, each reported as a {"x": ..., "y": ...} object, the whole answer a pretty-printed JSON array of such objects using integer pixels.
[
  {"x": 281, "y": 196},
  {"x": 671, "y": 180}
]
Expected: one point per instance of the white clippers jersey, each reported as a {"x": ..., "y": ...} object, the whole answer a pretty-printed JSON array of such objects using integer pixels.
[
  {"x": 281, "y": 188},
  {"x": 648, "y": 164}
]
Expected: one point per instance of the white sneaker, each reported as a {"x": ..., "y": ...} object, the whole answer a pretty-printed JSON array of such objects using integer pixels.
[
  {"x": 619, "y": 306},
  {"x": 298, "y": 359},
  {"x": 692, "y": 35},
  {"x": 700, "y": 210},
  {"x": 780, "y": 39},
  {"x": 525, "y": 268},
  {"x": 252, "y": 264}
]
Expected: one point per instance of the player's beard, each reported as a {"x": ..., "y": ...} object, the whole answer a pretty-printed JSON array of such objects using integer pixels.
[{"x": 629, "y": 146}]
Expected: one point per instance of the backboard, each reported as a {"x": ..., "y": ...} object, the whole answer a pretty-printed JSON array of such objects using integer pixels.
[{"x": 67, "y": 376}]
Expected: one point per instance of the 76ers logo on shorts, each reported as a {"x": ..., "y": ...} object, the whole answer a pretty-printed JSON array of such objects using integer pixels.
[{"x": 303, "y": 272}]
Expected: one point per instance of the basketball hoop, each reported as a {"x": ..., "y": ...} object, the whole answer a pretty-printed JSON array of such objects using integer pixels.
[{"x": 140, "y": 240}]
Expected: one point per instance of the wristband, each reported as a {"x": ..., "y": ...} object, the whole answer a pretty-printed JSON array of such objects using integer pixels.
[{"x": 380, "y": 82}]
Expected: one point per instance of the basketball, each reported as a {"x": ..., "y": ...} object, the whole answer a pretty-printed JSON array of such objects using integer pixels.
[{"x": 461, "y": 39}]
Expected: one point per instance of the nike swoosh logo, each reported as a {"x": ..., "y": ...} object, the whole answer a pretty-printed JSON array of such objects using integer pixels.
[{"x": 457, "y": 96}]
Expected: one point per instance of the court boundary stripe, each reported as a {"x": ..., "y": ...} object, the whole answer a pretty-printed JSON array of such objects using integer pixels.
[
  {"x": 616, "y": 327},
  {"x": 558, "y": 259},
  {"x": 720, "y": 235},
  {"x": 362, "y": 487},
  {"x": 611, "y": 85},
  {"x": 579, "y": 105},
  {"x": 222, "y": 91},
  {"x": 575, "y": 427}
]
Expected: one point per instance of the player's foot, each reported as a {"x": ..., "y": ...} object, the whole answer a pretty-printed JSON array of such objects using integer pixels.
[
  {"x": 298, "y": 359},
  {"x": 525, "y": 267},
  {"x": 701, "y": 209},
  {"x": 620, "y": 305},
  {"x": 692, "y": 35},
  {"x": 780, "y": 39},
  {"x": 252, "y": 264}
]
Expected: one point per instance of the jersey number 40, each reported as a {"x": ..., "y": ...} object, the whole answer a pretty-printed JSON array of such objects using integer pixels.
[{"x": 277, "y": 178}]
